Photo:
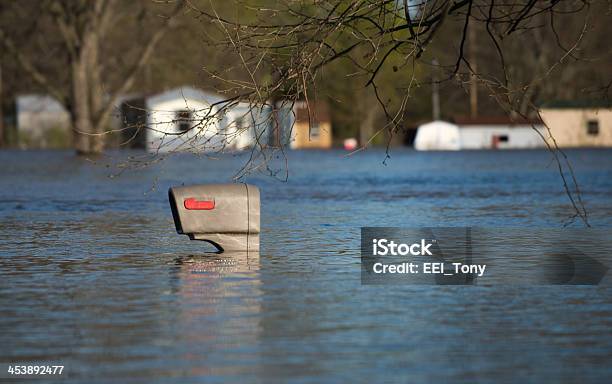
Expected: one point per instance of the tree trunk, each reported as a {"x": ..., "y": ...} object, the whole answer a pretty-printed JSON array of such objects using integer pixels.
[
  {"x": 79, "y": 109},
  {"x": 96, "y": 102},
  {"x": 86, "y": 98},
  {"x": 366, "y": 127},
  {"x": 1, "y": 109},
  {"x": 474, "y": 64}
]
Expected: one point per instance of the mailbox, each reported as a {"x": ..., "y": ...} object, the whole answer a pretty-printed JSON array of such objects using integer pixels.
[{"x": 225, "y": 215}]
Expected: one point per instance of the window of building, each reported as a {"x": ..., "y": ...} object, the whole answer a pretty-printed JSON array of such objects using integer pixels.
[
  {"x": 593, "y": 127},
  {"x": 315, "y": 130},
  {"x": 503, "y": 138},
  {"x": 183, "y": 120}
]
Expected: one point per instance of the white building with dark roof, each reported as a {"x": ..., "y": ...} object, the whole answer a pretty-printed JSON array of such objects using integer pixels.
[{"x": 480, "y": 133}]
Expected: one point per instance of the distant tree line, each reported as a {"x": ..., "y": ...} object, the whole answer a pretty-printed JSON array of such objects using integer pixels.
[{"x": 374, "y": 61}]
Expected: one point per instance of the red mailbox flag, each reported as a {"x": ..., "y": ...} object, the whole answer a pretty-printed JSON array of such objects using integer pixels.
[{"x": 192, "y": 203}]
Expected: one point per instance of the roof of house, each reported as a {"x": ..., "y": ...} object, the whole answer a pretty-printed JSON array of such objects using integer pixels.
[
  {"x": 578, "y": 104},
  {"x": 38, "y": 103},
  {"x": 317, "y": 110},
  {"x": 495, "y": 120},
  {"x": 185, "y": 93},
  {"x": 438, "y": 124}
]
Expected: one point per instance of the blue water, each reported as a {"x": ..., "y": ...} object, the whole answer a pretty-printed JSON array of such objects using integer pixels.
[{"x": 94, "y": 276}]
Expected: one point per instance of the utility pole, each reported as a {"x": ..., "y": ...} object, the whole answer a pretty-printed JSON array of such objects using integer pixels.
[
  {"x": 435, "y": 91},
  {"x": 473, "y": 63}
]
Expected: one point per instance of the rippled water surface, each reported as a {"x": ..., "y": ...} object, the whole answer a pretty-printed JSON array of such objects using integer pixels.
[{"x": 94, "y": 276}]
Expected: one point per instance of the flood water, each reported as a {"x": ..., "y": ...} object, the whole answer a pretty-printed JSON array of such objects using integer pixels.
[{"x": 94, "y": 277}]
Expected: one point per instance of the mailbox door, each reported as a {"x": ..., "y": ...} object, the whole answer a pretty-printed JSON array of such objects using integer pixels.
[{"x": 215, "y": 208}]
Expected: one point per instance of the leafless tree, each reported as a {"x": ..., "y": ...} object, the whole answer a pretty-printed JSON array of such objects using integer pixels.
[
  {"x": 82, "y": 26},
  {"x": 280, "y": 52},
  {"x": 285, "y": 48}
]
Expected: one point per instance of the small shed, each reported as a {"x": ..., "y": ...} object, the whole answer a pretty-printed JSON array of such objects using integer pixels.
[
  {"x": 134, "y": 122},
  {"x": 41, "y": 119},
  {"x": 480, "y": 133},
  {"x": 500, "y": 132},
  {"x": 184, "y": 119},
  {"x": 579, "y": 123},
  {"x": 312, "y": 127}
]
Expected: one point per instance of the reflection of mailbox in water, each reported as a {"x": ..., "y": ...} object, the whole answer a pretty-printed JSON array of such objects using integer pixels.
[{"x": 225, "y": 215}]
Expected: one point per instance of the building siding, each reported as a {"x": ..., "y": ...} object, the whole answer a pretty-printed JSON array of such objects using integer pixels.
[
  {"x": 482, "y": 137},
  {"x": 304, "y": 139},
  {"x": 163, "y": 133},
  {"x": 312, "y": 127},
  {"x": 569, "y": 126}
]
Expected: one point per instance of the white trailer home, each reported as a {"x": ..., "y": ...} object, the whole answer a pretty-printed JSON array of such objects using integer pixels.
[
  {"x": 480, "y": 133},
  {"x": 246, "y": 125},
  {"x": 184, "y": 120}
]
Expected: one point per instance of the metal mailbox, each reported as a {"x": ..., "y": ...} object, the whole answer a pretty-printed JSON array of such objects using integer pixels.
[{"x": 225, "y": 215}]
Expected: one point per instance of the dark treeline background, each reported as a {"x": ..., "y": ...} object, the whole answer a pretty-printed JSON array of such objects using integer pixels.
[{"x": 88, "y": 54}]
